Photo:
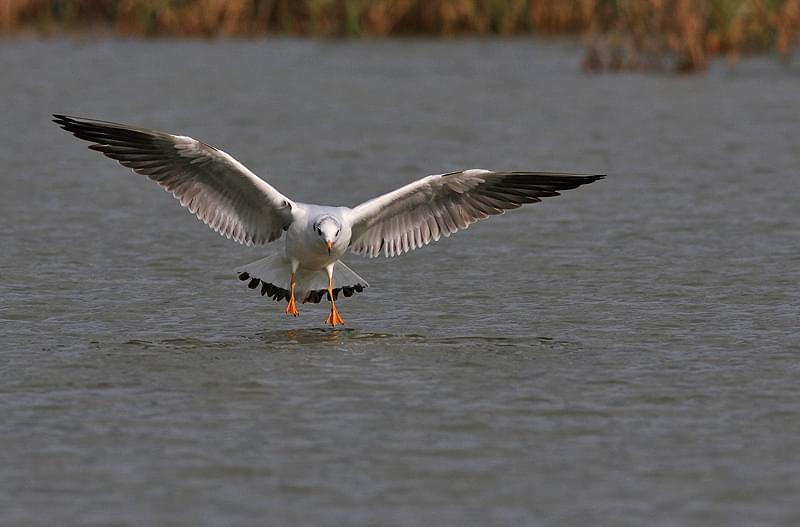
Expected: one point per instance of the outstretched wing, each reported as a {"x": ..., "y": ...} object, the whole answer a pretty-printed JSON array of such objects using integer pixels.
[
  {"x": 426, "y": 209},
  {"x": 215, "y": 187}
]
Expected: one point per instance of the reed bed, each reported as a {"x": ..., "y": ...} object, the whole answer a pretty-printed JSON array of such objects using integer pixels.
[{"x": 676, "y": 35}]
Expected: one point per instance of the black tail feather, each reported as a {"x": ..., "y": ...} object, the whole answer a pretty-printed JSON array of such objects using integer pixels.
[{"x": 314, "y": 297}]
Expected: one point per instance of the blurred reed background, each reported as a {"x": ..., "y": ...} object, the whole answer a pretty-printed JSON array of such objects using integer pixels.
[{"x": 630, "y": 35}]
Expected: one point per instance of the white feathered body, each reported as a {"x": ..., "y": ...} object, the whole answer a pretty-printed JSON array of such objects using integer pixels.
[
  {"x": 309, "y": 257},
  {"x": 304, "y": 247}
]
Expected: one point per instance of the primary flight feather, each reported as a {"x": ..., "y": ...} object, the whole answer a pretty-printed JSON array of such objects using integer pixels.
[{"x": 233, "y": 201}]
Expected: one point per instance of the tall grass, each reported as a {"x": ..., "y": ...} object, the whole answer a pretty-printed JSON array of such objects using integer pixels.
[{"x": 621, "y": 34}]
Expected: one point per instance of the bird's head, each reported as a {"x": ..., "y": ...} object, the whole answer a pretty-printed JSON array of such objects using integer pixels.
[{"x": 328, "y": 229}]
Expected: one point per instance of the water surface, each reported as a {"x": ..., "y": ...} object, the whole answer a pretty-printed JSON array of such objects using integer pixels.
[{"x": 626, "y": 354}]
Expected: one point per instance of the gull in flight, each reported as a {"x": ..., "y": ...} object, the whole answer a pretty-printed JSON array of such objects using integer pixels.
[{"x": 236, "y": 203}]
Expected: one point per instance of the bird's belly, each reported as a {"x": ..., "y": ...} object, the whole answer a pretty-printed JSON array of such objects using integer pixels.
[
  {"x": 313, "y": 261},
  {"x": 312, "y": 255}
]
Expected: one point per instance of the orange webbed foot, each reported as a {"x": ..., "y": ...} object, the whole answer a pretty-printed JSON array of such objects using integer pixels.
[
  {"x": 291, "y": 308},
  {"x": 334, "y": 318}
]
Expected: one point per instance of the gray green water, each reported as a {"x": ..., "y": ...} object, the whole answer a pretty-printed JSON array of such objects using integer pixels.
[{"x": 626, "y": 354}]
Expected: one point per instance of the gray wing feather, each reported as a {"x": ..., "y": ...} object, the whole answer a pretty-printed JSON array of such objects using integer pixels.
[
  {"x": 439, "y": 205},
  {"x": 215, "y": 187}
]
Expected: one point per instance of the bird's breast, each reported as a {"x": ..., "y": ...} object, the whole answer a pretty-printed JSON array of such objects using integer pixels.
[{"x": 310, "y": 250}]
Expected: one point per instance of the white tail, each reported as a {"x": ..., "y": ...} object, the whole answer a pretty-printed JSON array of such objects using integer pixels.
[{"x": 274, "y": 273}]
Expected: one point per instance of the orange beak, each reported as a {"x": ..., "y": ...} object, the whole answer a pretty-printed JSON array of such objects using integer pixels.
[{"x": 330, "y": 246}]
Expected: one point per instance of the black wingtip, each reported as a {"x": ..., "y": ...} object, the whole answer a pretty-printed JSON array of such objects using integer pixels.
[
  {"x": 70, "y": 124},
  {"x": 61, "y": 120},
  {"x": 581, "y": 179},
  {"x": 589, "y": 178}
]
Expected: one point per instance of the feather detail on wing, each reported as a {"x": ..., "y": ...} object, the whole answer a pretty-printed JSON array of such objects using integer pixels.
[
  {"x": 439, "y": 205},
  {"x": 215, "y": 187}
]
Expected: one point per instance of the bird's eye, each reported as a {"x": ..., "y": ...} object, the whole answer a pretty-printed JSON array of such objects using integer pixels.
[
  {"x": 319, "y": 231},
  {"x": 337, "y": 232}
]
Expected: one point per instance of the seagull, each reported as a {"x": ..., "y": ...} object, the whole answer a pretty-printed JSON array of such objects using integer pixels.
[{"x": 239, "y": 205}]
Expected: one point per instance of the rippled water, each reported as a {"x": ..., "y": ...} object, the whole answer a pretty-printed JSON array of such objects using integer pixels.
[{"x": 626, "y": 354}]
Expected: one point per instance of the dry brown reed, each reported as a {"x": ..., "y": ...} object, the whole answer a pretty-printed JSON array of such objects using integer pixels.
[
  {"x": 647, "y": 34},
  {"x": 674, "y": 35}
]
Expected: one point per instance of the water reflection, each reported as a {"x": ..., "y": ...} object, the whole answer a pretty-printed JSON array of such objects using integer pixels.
[
  {"x": 351, "y": 336},
  {"x": 307, "y": 336}
]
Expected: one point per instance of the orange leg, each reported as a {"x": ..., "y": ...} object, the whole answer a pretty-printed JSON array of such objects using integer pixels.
[
  {"x": 334, "y": 317},
  {"x": 291, "y": 309}
]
